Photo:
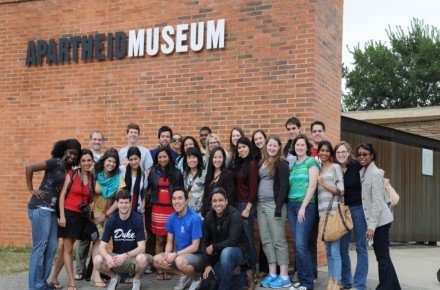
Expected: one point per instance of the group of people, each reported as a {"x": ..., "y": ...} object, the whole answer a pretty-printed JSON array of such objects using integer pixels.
[{"x": 188, "y": 208}]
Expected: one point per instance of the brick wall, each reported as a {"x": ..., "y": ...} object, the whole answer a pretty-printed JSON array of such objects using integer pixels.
[
  {"x": 429, "y": 129},
  {"x": 281, "y": 58}
]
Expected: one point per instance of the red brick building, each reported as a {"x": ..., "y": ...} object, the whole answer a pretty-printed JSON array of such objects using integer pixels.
[{"x": 280, "y": 58}]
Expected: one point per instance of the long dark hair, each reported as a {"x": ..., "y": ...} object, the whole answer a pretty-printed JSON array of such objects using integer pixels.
[
  {"x": 182, "y": 145},
  {"x": 243, "y": 163},
  {"x": 130, "y": 152},
  {"x": 257, "y": 152},
  {"x": 99, "y": 165},
  {"x": 329, "y": 146},
  {"x": 196, "y": 153},
  {"x": 60, "y": 147},
  {"x": 210, "y": 168},
  {"x": 169, "y": 169}
]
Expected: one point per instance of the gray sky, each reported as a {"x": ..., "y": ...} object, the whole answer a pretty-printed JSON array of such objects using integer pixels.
[{"x": 367, "y": 19}]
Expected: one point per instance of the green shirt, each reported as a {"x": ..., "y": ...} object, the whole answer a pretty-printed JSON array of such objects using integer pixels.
[{"x": 299, "y": 179}]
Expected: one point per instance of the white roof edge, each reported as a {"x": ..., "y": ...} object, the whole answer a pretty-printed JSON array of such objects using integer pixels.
[{"x": 396, "y": 115}]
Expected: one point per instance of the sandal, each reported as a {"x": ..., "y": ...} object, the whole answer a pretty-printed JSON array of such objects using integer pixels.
[
  {"x": 98, "y": 284},
  {"x": 78, "y": 277},
  {"x": 159, "y": 275},
  {"x": 166, "y": 276},
  {"x": 72, "y": 288},
  {"x": 55, "y": 285}
]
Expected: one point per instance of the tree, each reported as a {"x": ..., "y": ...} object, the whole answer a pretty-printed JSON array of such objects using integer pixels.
[{"x": 403, "y": 74}]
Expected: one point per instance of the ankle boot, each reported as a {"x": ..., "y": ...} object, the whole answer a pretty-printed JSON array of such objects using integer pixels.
[
  {"x": 250, "y": 279},
  {"x": 330, "y": 284}
]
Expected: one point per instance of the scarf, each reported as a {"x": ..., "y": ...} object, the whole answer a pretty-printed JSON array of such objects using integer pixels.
[{"x": 109, "y": 186}]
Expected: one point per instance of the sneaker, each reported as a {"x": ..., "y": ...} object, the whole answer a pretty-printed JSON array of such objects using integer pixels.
[
  {"x": 114, "y": 282},
  {"x": 182, "y": 283},
  {"x": 280, "y": 282},
  {"x": 195, "y": 284},
  {"x": 266, "y": 281},
  {"x": 136, "y": 284},
  {"x": 298, "y": 286}
]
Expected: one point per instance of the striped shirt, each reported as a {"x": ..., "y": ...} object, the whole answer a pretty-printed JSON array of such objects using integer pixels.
[
  {"x": 333, "y": 177},
  {"x": 299, "y": 179}
]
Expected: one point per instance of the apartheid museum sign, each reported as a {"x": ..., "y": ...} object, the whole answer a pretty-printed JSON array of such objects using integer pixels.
[{"x": 151, "y": 41}]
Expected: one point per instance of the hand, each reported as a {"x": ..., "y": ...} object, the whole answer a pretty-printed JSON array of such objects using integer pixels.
[
  {"x": 301, "y": 215},
  {"x": 125, "y": 161},
  {"x": 169, "y": 258},
  {"x": 209, "y": 250},
  {"x": 38, "y": 193},
  {"x": 92, "y": 206},
  {"x": 245, "y": 213},
  {"x": 370, "y": 234},
  {"x": 119, "y": 259},
  {"x": 208, "y": 270},
  {"x": 98, "y": 219},
  {"x": 319, "y": 179},
  {"x": 62, "y": 222},
  {"x": 110, "y": 261}
]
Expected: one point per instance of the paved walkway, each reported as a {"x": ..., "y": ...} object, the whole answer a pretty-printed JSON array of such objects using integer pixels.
[{"x": 415, "y": 266}]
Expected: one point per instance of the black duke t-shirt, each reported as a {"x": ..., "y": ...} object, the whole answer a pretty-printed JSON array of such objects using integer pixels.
[{"x": 125, "y": 233}]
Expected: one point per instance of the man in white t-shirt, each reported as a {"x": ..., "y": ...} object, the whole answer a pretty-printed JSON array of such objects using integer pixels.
[{"x": 133, "y": 132}]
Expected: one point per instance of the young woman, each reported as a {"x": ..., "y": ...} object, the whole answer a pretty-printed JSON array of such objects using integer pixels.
[
  {"x": 300, "y": 208},
  {"x": 236, "y": 133},
  {"x": 162, "y": 179},
  {"x": 272, "y": 212},
  {"x": 176, "y": 142},
  {"x": 258, "y": 142},
  {"x": 194, "y": 179},
  {"x": 353, "y": 198},
  {"x": 217, "y": 175},
  {"x": 134, "y": 179},
  {"x": 187, "y": 142},
  {"x": 246, "y": 188},
  {"x": 42, "y": 208},
  {"x": 212, "y": 141},
  {"x": 330, "y": 188},
  {"x": 108, "y": 180},
  {"x": 75, "y": 211},
  {"x": 378, "y": 215}
]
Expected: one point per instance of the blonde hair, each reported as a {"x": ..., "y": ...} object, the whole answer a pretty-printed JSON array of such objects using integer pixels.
[{"x": 216, "y": 138}]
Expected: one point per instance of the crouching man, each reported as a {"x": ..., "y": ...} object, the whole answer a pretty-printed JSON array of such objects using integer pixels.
[
  {"x": 225, "y": 245},
  {"x": 126, "y": 229},
  {"x": 184, "y": 228}
]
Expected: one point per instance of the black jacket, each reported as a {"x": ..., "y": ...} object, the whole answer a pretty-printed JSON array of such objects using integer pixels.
[
  {"x": 281, "y": 185},
  {"x": 352, "y": 184},
  {"x": 231, "y": 234}
]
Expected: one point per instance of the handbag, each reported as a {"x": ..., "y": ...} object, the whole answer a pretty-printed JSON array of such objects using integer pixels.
[
  {"x": 210, "y": 283},
  {"x": 333, "y": 227},
  {"x": 391, "y": 192}
]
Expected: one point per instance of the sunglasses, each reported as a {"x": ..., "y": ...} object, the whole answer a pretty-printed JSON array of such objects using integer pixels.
[{"x": 177, "y": 140}]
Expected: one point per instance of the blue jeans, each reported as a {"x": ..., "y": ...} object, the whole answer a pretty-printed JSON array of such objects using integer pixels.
[
  {"x": 334, "y": 259},
  {"x": 248, "y": 224},
  {"x": 301, "y": 234},
  {"x": 44, "y": 246},
  {"x": 230, "y": 258},
  {"x": 361, "y": 273}
]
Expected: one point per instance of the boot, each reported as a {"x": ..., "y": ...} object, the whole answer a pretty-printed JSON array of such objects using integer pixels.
[
  {"x": 330, "y": 284},
  {"x": 250, "y": 279}
]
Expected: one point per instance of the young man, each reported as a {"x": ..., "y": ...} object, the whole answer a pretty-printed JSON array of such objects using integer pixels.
[
  {"x": 225, "y": 245},
  {"x": 133, "y": 132},
  {"x": 293, "y": 128},
  {"x": 96, "y": 140},
  {"x": 184, "y": 228},
  {"x": 203, "y": 133},
  {"x": 317, "y": 129},
  {"x": 126, "y": 229},
  {"x": 164, "y": 135}
]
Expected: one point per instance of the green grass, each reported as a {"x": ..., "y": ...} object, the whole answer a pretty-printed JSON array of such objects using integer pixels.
[{"x": 14, "y": 260}]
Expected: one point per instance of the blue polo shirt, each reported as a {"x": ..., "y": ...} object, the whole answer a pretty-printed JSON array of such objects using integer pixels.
[{"x": 185, "y": 229}]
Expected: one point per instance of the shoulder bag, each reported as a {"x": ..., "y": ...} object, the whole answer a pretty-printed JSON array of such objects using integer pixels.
[{"x": 333, "y": 227}]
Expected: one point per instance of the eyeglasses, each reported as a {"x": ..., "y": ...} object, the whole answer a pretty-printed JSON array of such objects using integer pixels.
[
  {"x": 362, "y": 154},
  {"x": 177, "y": 140},
  {"x": 341, "y": 152}
]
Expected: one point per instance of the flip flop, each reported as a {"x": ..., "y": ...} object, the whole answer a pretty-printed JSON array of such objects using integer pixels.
[
  {"x": 159, "y": 275},
  {"x": 55, "y": 286},
  {"x": 166, "y": 276},
  {"x": 98, "y": 284}
]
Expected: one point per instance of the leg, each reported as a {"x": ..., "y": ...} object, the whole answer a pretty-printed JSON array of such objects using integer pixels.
[
  {"x": 359, "y": 229},
  {"x": 82, "y": 251},
  {"x": 346, "y": 277},
  {"x": 100, "y": 265},
  {"x": 292, "y": 215},
  {"x": 59, "y": 263},
  {"x": 387, "y": 274},
  {"x": 95, "y": 276},
  {"x": 230, "y": 258},
  {"x": 266, "y": 235},
  {"x": 161, "y": 268},
  {"x": 68, "y": 260},
  {"x": 334, "y": 259},
  {"x": 313, "y": 240},
  {"x": 248, "y": 224},
  {"x": 141, "y": 263},
  {"x": 278, "y": 232},
  {"x": 160, "y": 244}
]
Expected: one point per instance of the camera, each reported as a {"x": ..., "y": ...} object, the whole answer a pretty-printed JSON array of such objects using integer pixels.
[{"x": 84, "y": 208}]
